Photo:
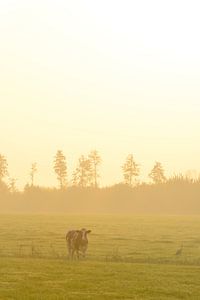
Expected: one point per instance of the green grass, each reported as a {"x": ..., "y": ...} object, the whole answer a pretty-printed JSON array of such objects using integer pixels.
[{"x": 128, "y": 258}]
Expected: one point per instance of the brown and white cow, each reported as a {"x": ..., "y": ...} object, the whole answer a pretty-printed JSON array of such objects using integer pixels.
[{"x": 77, "y": 242}]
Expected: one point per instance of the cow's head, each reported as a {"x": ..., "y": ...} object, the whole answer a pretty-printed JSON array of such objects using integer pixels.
[
  {"x": 85, "y": 233},
  {"x": 84, "y": 241}
]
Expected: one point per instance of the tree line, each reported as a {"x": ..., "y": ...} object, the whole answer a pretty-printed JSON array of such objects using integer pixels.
[
  {"x": 86, "y": 173},
  {"x": 81, "y": 192}
]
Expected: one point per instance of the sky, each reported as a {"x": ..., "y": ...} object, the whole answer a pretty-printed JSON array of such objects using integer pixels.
[{"x": 117, "y": 76}]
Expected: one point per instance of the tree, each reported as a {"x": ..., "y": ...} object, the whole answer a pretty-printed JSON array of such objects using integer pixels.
[
  {"x": 95, "y": 161},
  {"x": 3, "y": 173},
  {"x": 60, "y": 168},
  {"x": 33, "y": 172},
  {"x": 3, "y": 167},
  {"x": 82, "y": 175},
  {"x": 12, "y": 185},
  {"x": 130, "y": 170},
  {"x": 157, "y": 173}
]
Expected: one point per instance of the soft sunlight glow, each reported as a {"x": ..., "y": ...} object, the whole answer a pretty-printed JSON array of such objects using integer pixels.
[{"x": 118, "y": 76}]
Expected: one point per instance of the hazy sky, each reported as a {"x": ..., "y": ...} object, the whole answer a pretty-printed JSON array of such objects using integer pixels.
[{"x": 119, "y": 76}]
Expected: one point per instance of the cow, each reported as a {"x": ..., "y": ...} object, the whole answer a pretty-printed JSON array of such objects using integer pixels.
[{"x": 77, "y": 242}]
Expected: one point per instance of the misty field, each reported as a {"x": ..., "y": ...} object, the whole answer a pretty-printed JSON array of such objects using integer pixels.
[{"x": 129, "y": 257}]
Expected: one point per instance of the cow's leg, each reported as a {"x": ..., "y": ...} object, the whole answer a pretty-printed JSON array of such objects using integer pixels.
[
  {"x": 69, "y": 249},
  {"x": 72, "y": 253},
  {"x": 77, "y": 253},
  {"x": 83, "y": 250}
]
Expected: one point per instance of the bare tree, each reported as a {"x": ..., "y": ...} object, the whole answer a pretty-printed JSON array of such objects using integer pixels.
[
  {"x": 60, "y": 168},
  {"x": 157, "y": 173},
  {"x": 95, "y": 161},
  {"x": 33, "y": 172},
  {"x": 130, "y": 170}
]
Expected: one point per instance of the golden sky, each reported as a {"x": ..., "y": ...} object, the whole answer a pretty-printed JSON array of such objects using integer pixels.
[{"x": 119, "y": 76}]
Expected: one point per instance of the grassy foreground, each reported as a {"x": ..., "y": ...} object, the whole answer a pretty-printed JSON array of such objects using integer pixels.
[
  {"x": 54, "y": 279},
  {"x": 128, "y": 258}
]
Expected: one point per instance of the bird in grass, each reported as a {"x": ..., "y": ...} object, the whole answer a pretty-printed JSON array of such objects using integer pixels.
[{"x": 179, "y": 251}]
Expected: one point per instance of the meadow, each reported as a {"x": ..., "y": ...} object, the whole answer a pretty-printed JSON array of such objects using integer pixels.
[{"x": 129, "y": 257}]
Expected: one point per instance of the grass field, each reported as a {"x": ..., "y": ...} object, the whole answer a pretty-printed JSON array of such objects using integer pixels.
[{"x": 129, "y": 257}]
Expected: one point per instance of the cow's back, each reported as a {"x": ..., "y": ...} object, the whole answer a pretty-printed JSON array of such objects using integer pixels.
[
  {"x": 73, "y": 238},
  {"x": 70, "y": 234}
]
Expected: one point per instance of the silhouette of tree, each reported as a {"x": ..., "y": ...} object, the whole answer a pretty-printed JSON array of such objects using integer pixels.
[
  {"x": 60, "y": 168},
  {"x": 95, "y": 161},
  {"x": 3, "y": 167},
  {"x": 82, "y": 176},
  {"x": 33, "y": 172},
  {"x": 157, "y": 173},
  {"x": 130, "y": 170},
  {"x": 12, "y": 185},
  {"x": 3, "y": 174}
]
